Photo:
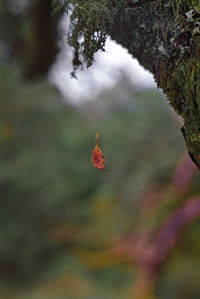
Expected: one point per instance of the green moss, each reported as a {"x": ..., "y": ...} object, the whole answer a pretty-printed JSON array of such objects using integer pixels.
[
  {"x": 181, "y": 80},
  {"x": 89, "y": 23}
]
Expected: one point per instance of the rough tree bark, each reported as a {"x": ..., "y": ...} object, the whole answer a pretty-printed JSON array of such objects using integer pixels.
[{"x": 163, "y": 35}]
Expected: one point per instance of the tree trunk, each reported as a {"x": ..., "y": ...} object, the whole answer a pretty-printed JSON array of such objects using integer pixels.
[
  {"x": 39, "y": 40},
  {"x": 164, "y": 36}
]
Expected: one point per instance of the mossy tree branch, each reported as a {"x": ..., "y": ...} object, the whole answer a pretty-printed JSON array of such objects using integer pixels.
[{"x": 163, "y": 35}]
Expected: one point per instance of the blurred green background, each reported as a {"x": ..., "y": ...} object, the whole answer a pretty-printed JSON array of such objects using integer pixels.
[{"x": 67, "y": 230}]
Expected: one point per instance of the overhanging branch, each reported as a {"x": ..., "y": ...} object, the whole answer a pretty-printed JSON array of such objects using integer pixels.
[{"x": 163, "y": 35}]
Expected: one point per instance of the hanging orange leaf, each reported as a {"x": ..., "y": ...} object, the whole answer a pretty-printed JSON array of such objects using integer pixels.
[{"x": 98, "y": 157}]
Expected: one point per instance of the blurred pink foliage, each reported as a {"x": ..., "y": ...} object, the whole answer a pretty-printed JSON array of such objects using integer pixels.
[
  {"x": 183, "y": 174},
  {"x": 148, "y": 249}
]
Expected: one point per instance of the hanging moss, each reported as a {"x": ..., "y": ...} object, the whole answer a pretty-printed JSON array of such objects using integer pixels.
[{"x": 89, "y": 23}]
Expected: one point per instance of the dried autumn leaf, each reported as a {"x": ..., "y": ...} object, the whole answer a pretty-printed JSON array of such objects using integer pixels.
[{"x": 98, "y": 157}]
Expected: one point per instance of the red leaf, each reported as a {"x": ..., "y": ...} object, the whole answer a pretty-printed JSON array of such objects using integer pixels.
[{"x": 98, "y": 157}]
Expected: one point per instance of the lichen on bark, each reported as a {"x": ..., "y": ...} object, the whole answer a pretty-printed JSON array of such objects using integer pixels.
[{"x": 163, "y": 35}]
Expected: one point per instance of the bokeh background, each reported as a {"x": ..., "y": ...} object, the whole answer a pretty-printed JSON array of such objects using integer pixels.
[{"x": 67, "y": 230}]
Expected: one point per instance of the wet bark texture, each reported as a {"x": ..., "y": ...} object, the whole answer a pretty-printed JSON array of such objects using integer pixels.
[{"x": 165, "y": 37}]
